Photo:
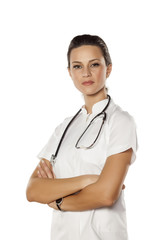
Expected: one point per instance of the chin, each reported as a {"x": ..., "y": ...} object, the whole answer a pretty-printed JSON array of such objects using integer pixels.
[
  {"x": 93, "y": 91},
  {"x": 89, "y": 91}
]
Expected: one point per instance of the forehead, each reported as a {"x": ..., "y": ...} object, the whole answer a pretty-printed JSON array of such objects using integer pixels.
[{"x": 86, "y": 53}]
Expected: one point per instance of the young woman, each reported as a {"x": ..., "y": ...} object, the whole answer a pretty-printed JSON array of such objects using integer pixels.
[{"x": 84, "y": 184}]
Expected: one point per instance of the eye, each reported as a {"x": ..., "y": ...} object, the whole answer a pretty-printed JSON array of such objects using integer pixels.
[
  {"x": 95, "y": 65},
  {"x": 77, "y": 66}
]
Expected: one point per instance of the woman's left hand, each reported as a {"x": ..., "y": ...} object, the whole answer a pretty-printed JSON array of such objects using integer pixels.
[
  {"x": 45, "y": 170},
  {"x": 53, "y": 205}
]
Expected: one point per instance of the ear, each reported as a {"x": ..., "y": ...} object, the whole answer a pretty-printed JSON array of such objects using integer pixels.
[{"x": 109, "y": 69}]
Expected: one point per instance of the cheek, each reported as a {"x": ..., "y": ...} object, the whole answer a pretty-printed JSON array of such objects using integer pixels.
[
  {"x": 101, "y": 74},
  {"x": 75, "y": 76}
]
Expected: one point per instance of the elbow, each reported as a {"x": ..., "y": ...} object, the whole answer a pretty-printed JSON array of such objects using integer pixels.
[
  {"x": 105, "y": 197},
  {"x": 29, "y": 194},
  {"x": 34, "y": 193},
  {"x": 29, "y": 198},
  {"x": 108, "y": 201}
]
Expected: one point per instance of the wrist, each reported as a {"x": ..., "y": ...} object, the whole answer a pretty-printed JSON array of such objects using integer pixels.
[{"x": 59, "y": 203}]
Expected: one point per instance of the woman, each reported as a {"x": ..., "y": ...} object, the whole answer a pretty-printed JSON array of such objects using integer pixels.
[{"x": 85, "y": 185}]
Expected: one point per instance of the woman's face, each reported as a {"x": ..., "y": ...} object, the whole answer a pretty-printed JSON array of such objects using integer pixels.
[{"x": 88, "y": 69}]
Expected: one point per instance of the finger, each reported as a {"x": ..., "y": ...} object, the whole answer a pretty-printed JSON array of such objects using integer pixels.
[
  {"x": 52, "y": 205},
  {"x": 51, "y": 167},
  {"x": 38, "y": 174},
  {"x": 123, "y": 187},
  {"x": 47, "y": 170},
  {"x": 54, "y": 176},
  {"x": 42, "y": 172}
]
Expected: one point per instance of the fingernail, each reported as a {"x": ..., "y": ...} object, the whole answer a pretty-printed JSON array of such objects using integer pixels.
[{"x": 42, "y": 161}]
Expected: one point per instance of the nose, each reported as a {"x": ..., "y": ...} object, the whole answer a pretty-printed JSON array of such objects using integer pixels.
[{"x": 86, "y": 72}]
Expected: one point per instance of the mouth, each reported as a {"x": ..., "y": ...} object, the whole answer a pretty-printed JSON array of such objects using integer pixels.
[{"x": 87, "y": 83}]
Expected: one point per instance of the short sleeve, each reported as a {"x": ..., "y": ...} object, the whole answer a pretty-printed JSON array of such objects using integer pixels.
[
  {"x": 51, "y": 146},
  {"x": 122, "y": 134}
]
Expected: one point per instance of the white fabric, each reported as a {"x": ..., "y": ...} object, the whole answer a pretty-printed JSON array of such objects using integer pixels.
[{"x": 118, "y": 134}]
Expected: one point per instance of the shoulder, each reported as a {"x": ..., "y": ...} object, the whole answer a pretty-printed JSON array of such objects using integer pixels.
[
  {"x": 120, "y": 118},
  {"x": 62, "y": 125}
]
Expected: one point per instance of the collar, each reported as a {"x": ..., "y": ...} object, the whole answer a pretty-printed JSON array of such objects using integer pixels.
[{"x": 97, "y": 107}]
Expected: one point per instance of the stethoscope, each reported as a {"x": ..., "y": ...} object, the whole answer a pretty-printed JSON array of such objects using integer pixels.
[{"x": 103, "y": 114}]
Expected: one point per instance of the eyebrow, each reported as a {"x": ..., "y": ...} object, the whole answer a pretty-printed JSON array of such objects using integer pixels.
[{"x": 89, "y": 60}]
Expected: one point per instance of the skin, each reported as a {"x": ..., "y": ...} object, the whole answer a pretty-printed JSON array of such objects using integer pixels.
[
  {"x": 44, "y": 187},
  {"x": 83, "y": 67}
]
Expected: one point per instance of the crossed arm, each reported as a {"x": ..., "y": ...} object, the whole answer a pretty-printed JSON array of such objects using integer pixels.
[
  {"x": 96, "y": 191},
  {"x": 43, "y": 187}
]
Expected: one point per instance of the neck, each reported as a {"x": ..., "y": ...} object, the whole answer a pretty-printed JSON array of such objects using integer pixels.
[{"x": 90, "y": 100}]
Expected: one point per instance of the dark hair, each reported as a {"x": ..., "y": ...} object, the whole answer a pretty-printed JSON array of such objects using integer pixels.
[{"x": 87, "y": 39}]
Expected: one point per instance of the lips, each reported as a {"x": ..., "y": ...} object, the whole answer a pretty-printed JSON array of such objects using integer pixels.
[{"x": 87, "y": 83}]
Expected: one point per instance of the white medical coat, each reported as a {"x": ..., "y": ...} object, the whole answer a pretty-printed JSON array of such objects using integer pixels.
[{"x": 118, "y": 134}]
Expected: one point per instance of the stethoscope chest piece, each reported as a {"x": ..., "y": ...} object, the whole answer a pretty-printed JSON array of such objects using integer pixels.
[{"x": 53, "y": 159}]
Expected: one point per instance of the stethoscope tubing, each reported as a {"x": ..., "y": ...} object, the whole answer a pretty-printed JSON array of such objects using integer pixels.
[
  {"x": 53, "y": 157},
  {"x": 64, "y": 133}
]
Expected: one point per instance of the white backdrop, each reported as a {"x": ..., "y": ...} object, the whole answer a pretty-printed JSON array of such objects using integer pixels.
[{"x": 36, "y": 94}]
